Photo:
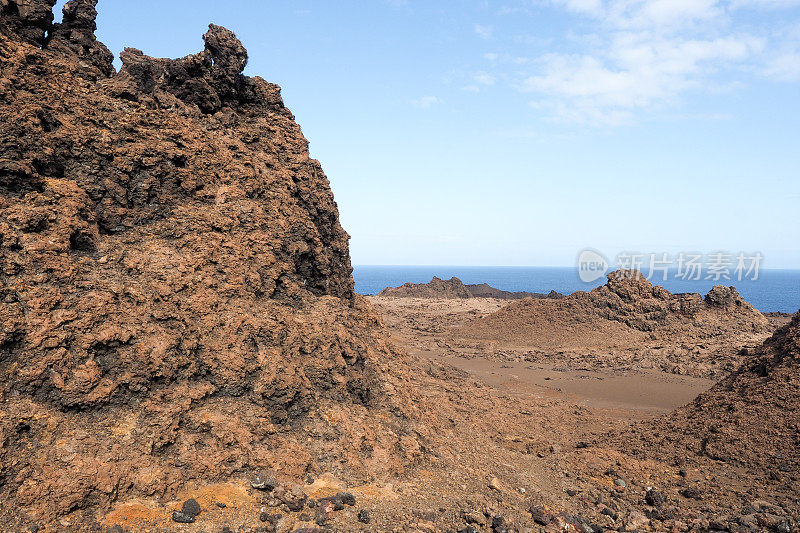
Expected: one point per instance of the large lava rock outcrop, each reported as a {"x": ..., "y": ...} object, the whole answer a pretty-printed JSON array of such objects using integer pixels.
[{"x": 176, "y": 298}]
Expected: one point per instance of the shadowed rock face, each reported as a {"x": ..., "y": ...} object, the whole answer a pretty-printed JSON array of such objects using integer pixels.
[
  {"x": 176, "y": 297},
  {"x": 750, "y": 418}
]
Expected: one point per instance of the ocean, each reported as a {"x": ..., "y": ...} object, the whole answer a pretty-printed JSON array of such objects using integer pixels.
[{"x": 775, "y": 290}]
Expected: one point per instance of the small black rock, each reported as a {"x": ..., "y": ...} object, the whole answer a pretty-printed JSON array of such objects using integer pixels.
[
  {"x": 655, "y": 498},
  {"x": 346, "y": 498},
  {"x": 221, "y": 505},
  {"x": 363, "y": 516},
  {"x": 182, "y": 518},
  {"x": 191, "y": 507},
  {"x": 468, "y": 529},
  {"x": 321, "y": 519},
  {"x": 691, "y": 493},
  {"x": 311, "y": 502}
]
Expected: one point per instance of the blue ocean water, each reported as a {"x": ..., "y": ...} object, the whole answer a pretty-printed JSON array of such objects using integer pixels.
[{"x": 774, "y": 290}]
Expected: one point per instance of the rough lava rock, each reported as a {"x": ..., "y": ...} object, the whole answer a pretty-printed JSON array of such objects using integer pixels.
[
  {"x": 176, "y": 298},
  {"x": 750, "y": 418}
]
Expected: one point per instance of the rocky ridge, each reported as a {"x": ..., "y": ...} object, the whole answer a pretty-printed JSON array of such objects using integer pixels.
[
  {"x": 176, "y": 298},
  {"x": 629, "y": 323},
  {"x": 455, "y": 288}
]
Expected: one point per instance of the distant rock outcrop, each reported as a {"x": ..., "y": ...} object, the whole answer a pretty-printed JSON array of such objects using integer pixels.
[
  {"x": 455, "y": 288},
  {"x": 176, "y": 298},
  {"x": 630, "y": 319}
]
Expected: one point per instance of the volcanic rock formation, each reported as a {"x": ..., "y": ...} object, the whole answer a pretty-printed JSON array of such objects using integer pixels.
[
  {"x": 751, "y": 417},
  {"x": 176, "y": 298},
  {"x": 455, "y": 288},
  {"x": 628, "y": 320}
]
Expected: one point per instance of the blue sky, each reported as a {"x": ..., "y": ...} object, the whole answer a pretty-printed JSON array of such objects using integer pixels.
[{"x": 519, "y": 132}]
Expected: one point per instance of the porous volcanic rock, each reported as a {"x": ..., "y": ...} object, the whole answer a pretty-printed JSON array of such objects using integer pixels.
[
  {"x": 752, "y": 417},
  {"x": 176, "y": 298},
  {"x": 629, "y": 321},
  {"x": 455, "y": 288}
]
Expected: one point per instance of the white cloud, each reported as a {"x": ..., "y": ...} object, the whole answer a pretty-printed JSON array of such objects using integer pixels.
[
  {"x": 635, "y": 71},
  {"x": 765, "y": 4},
  {"x": 484, "y": 32},
  {"x": 784, "y": 67},
  {"x": 648, "y": 55},
  {"x": 490, "y": 57},
  {"x": 425, "y": 102},
  {"x": 484, "y": 78}
]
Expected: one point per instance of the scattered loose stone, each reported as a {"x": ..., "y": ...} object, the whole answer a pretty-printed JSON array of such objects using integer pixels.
[
  {"x": 220, "y": 505},
  {"x": 691, "y": 492},
  {"x": 191, "y": 507},
  {"x": 541, "y": 515},
  {"x": 347, "y": 498},
  {"x": 635, "y": 520},
  {"x": 363, "y": 516},
  {"x": 294, "y": 498},
  {"x": 468, "y": 529},
  {"x": 474, "y": 517},
  {"x": 620, "y": 483},
  {"x": 182, "y": 518},
  {"x": 262, "y": 481},
  {"x": 499, "y": 524},
  {"x": 655, "y": 498}
]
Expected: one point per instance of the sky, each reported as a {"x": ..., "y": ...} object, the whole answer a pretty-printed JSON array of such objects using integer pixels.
[{"x": 519, "y": 132}]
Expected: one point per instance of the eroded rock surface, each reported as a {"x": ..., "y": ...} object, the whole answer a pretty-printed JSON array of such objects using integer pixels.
[
  {"x": 176, "y": 298},
  {"x": 629, "y": 323}
]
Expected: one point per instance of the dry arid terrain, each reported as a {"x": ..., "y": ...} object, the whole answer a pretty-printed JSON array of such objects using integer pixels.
[{"x": 182, "y": 350}]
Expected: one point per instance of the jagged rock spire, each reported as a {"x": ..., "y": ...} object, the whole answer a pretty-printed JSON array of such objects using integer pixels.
[
  {"x": 210, "y": 79},
  {"x": 29, "y": 19},
  {"x": 76, "y": 35}
]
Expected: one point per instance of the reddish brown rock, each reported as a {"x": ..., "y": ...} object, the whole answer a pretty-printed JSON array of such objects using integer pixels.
[
  {"x": 751, "y": 417},
  {"x": 176, "y": 299}
]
